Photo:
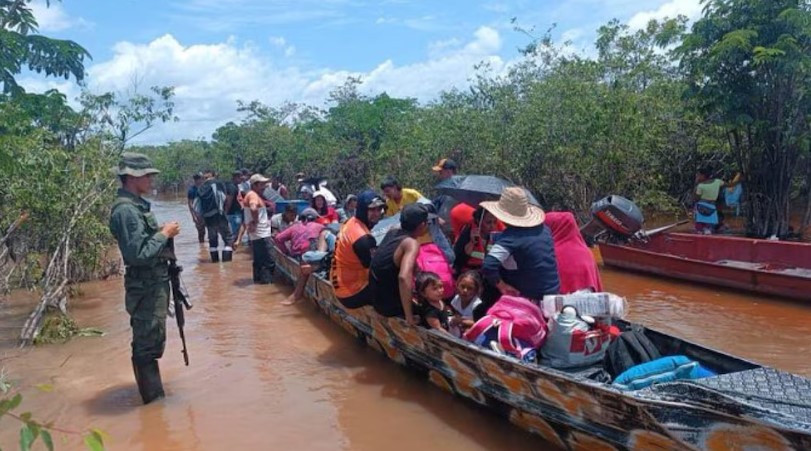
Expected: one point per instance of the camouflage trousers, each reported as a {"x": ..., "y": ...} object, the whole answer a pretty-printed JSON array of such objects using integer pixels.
[{"x": 147, "y": 298}]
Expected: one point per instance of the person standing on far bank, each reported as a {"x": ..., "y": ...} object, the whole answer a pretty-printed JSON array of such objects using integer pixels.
[{"x": 143, "y": 246}]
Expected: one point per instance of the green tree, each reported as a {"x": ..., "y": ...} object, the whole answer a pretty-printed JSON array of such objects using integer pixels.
[
  {"x": 749, "y": 65},
  {"x": 22, "y": 47}
]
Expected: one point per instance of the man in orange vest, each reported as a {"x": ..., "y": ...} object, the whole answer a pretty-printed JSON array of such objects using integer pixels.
[{"x": 353, "y": 252}]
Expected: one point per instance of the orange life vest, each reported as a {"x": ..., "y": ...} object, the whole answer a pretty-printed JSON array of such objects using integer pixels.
[
  {"x": 476, "y": 258},
  {"x": 348, "y": 275}
]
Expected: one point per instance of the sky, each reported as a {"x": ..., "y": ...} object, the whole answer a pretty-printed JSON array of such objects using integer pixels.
[{"x": 216, "y": 52}]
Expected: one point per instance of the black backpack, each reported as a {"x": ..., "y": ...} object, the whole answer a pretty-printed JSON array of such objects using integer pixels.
[
  {"x": 211, "y": 199},
  {"x": 631, "y": 348}
]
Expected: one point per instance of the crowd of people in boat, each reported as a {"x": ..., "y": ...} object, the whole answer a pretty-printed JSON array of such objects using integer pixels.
[
  {"x": 508, "y": 246},
  {"x": 460, "y": 269}
]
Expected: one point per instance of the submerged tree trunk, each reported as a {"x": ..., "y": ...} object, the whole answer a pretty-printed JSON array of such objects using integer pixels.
[{"x": 769, "y": 207}]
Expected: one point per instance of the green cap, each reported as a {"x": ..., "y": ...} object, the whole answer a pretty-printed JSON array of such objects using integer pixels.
[{"x": 135, "y": 165}]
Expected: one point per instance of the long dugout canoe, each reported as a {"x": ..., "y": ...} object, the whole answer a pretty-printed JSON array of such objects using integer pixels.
[{"x": 747, "y": 406}]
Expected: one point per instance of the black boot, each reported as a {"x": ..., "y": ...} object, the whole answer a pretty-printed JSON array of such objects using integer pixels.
[
  {"x": 148, "y": 377},
  {"x": 227, "y": 254},
  {"x": 265, "y": 276},
  {"x": 215, "y": 256}
]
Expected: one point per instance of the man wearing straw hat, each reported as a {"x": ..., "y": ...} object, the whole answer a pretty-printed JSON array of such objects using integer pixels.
[
  {"x": 522, "y": 262},
  {"x": 143, "y": 246}
]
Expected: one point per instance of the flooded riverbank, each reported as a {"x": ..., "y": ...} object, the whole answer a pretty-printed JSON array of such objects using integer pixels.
[{"x": 265, "y": 376}]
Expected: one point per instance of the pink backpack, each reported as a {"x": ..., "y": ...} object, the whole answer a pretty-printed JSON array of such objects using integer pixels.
[
  {"x": 521, "y": 326},
  {"x": 432, "y": 259}
]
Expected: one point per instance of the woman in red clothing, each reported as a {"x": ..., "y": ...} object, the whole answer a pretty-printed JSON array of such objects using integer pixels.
[
  {"x": 327, "y": 214},
  {"x": 576, "y": 266}
]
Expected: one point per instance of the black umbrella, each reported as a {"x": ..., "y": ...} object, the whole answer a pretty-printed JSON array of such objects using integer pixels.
[{"x": 474, "y": 189}]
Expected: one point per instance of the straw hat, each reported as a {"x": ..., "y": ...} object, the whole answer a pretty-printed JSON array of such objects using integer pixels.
[{"x": 513, "y": 208}]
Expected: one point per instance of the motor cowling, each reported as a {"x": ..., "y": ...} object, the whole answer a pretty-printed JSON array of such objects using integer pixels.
[{"x": 614, "y": 217}]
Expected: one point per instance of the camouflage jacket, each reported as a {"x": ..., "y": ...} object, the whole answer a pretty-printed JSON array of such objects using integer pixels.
[{"x": 135, "y": 228}]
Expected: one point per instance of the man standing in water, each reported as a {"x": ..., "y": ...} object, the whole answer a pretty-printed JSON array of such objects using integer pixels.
[
  {"x": 191, "y": 196},
  {"x": 143, "y": 245}
]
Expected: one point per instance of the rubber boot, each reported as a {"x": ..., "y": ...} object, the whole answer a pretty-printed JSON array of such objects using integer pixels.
[
  {"x": 265, "y": 276},
  {"x": 148, "y": 378},
  {"x": 215, "y": 255},
  {"x": 227, "y": 254}
]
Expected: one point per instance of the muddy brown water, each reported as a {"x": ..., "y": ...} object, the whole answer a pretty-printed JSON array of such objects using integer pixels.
[{"x": 265, "y": 376}]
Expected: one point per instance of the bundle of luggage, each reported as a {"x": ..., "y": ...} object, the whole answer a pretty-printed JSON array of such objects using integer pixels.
[{"x": 577, "y": 331}]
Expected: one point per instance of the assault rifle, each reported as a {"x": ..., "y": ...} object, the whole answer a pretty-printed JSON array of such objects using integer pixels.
[{"x": 180, "y": 299}]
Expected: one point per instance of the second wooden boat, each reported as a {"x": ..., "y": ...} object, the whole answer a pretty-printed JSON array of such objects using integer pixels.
[{"x": 778, "y": 268}]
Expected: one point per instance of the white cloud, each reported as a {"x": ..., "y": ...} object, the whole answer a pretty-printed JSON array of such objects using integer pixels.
[
  {"x": 487, "y": 41},
  {"x": 671, "y": 9},
  {"x": 281, "y": 43},
  {"x": 426, "y": 79},
  {"x": 55, "y": 18},
  {"x": 210, "y": 78}
]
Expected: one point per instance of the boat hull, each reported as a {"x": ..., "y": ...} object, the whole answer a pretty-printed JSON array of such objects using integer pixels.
[
  {"x": 565, "y": 411},
  {"x": 759, "y": 266}
]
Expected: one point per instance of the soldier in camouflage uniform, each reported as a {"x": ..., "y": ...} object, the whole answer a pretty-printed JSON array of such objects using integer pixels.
[{"x": 143, "y": 246}]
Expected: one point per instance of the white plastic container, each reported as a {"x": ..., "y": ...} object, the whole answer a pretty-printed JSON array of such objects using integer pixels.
[{"x": 598, "y": 305}]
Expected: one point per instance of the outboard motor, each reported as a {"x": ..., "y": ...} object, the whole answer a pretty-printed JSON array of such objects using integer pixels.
[{"x": 614, "y": 218}]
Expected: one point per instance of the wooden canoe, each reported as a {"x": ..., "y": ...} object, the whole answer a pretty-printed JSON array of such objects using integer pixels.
[
  {"x": 746, "y": 407},
  {"x": 780, "y": 268}
]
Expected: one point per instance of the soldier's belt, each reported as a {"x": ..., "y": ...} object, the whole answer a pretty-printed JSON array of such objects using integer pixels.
[{"x": 148, "y": 271}]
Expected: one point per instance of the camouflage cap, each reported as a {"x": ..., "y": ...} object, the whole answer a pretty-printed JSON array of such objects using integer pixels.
[{"x": 135, "y": 165}]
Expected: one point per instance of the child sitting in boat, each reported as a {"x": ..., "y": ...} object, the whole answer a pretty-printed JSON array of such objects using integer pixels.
[
  {"x": 428, "y": 292},
  {"x": 466, "y": 301}
]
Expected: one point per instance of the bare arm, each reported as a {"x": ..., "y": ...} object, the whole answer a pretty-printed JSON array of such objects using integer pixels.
[
  {"x": 193, "y": 212},
  {"x": 435, "y": 324},
  {"x": 229, "y": 200},
  {"x": 406, "y": 257}
]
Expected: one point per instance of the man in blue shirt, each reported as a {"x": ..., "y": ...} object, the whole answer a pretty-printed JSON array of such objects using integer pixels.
[
  {"x": 191, "y": 196},
  {"x": 522, "y": 262}
]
